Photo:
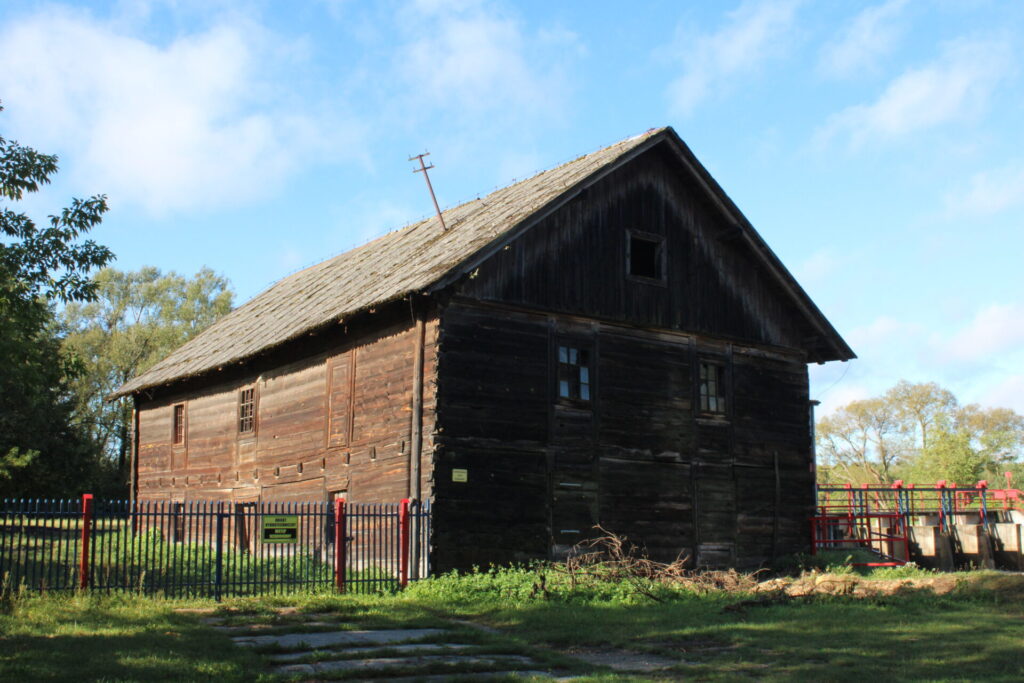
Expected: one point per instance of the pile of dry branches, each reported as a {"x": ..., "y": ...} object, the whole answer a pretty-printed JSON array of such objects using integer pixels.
[{"x": 610, "y": 557}]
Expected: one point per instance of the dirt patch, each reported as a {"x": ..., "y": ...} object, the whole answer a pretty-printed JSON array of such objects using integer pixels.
[
  {"x": 851, "y": 584},
  {"x": 622, "y": 660},
  {"x": 195, "y": 610},
  {"x": 1010, "y": 586},
  {"x": 693, "y": 646}
]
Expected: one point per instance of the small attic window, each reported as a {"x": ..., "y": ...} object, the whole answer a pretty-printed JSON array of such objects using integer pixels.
[{"x": 645, "y": 256}]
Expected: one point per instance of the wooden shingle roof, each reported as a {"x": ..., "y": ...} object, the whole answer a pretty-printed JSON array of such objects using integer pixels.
[
  {"x": 422, "y": 256},
  {"x": 390, "y": 267}
]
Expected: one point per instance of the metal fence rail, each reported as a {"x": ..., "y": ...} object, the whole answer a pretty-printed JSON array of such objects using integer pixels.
[
  {"x": 878, "y": 518},
  {"x": 211, "y": 549},
  {"x": 944, "y": 502}
]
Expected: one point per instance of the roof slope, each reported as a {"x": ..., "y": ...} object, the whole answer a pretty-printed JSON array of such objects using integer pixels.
[
  {"x": 422, "y": 256},
  {"x": 390, "y": 267}
]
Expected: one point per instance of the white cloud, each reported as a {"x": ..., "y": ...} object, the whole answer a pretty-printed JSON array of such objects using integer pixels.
[
  {"x": 995, "y": 329},
  {"x": 956, "y": 86},
  {"x": 836, "y": 392},
  {"x": 980, "y": 358},
  {"x": 198, "y": 121},
  {"x": 869, "y": 36},
  {"x": 754, "y": 32},
  {"x": 1008, "y": 393},
  {"x": 883, "y": 332},
  {"x": 473, "y": 61},
  {"x": 989, "y": 192}
]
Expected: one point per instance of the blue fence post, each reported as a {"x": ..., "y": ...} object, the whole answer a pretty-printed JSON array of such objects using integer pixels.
[{"x": 219, "y": 578}]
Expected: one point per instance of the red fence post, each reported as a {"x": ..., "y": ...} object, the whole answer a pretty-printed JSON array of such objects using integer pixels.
[
  {"x": 403, "y": 540},
  {"x": 339, "y": 544},
  {"x": 83, "y": 561}
]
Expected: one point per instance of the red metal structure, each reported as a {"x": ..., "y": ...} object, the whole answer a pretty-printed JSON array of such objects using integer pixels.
[
  {"x": 83, "y": 562},
  {"x": 403, "y": 525},
  {"x": 877, "y": 518},
  {"x": 339, "y": 544}
]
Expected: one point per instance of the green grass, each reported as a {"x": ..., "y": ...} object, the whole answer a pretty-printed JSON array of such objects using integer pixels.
[
  {"x": 974, "y": 632},
  {"x": 115, "y": 638}
]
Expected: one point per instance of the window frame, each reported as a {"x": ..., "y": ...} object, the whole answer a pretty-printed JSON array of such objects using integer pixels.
[
  {"x": 704, "y": 396},
  {"x": 661, "y": 257},
  {"x": 574, "y": 349},
  {"x": 239, "y": 417},
  {"x": 179, "y": 424}
]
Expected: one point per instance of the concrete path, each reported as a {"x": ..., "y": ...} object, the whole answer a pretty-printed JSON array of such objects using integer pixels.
[
  {"x": 315, "y": 646},
  {"x": 310, "y": 645}
]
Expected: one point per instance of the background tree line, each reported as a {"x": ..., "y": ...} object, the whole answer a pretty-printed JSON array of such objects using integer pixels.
[
  {"x": 71, "y": 332},
  {"x": 919, "y": 433}
]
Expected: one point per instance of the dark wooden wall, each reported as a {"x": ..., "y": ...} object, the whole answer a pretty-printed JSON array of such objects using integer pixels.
[
  {"x": 338, "y": 420},
  {"x": 641, "y": 460},
  {"x": 575, "y": 262}
]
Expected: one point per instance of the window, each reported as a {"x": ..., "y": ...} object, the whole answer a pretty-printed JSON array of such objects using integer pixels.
[
  {"x": 712, "y": 389},
  {"x": 247, "y": 411},
  {"x": 178, "y": 430},
  {"x": 573, "y": 373},
  {"x": 645, "y": 256}
]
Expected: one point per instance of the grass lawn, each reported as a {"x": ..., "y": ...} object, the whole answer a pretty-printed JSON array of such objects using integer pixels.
[{"x": 973, "y": 632}]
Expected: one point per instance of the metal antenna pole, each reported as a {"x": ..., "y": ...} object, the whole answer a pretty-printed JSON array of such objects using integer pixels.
[{"x": 423, "y": 167}]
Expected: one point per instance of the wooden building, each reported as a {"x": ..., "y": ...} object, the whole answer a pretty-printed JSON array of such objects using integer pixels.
[{"x": 607, "y": 342}]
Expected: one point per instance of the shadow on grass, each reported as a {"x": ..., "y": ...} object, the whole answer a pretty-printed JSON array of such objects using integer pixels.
[
  {"x": 111, "y": 643},
  {"x": 920, "y": 637}
]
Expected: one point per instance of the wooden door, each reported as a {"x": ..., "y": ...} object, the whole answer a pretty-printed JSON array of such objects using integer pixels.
[{"x": 715, "y": 506}]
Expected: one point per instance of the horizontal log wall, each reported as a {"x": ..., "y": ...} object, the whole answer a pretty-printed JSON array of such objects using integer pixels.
[
  {"x": 492, "y": 403},
  {"x": 575, "y": 262},
  {"x": 338, "y": 420},
  {"x": 642, "y": 460}
]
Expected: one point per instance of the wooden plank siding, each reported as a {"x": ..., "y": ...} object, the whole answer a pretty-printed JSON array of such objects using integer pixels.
[
  {"x": 574, "y": 262},
  {"x": 336, "y": 420},
  {"x": 702, "y": 487},
  {"x": 642, "y": 461}
]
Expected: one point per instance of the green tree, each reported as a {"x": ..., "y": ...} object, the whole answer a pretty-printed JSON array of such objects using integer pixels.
[
  {"x": 921, "y": 433},
  {"x": 860, "y": 443},
  {"x": 136, "y": 319},
  {"x": 972, "y": 443},
  {"x": 40, "y": 451}
]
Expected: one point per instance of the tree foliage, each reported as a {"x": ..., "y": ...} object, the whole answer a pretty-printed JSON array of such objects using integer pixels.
[
  {"x": 136, "y": 319},
  {"x": 40, "y": 451},
  {"x": 920, "y": 433}
]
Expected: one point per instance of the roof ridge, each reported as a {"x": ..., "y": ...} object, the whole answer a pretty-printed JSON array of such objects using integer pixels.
[{"x": 387, "y": 267}]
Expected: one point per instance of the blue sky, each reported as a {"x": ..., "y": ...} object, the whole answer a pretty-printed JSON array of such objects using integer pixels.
[{"x": 878, "y": 147}]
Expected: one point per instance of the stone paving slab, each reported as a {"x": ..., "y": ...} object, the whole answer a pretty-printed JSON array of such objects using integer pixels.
[
  {"x": 326, "y": 639},
  {"x": 247, "y": 628},
  {"x": 411, "y": 648},
  {"x": 474, "y": 676},
  {"x": 384, "y": 663}
]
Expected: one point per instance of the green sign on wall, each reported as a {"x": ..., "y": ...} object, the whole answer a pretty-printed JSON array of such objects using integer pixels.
[{"x": 280, "y": 529}]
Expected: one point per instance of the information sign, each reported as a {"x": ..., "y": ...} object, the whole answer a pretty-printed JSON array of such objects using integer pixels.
[{"x": 280, "y": 529}]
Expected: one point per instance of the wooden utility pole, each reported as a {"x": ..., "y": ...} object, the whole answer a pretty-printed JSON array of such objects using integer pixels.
[{"x": 423, "y": 168}]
